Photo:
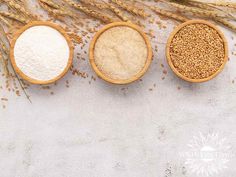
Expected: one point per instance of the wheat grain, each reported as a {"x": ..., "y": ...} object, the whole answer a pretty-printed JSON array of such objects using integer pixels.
[
  {"x": 77, "y": 39},
  {"x": 197, "y": 51}
]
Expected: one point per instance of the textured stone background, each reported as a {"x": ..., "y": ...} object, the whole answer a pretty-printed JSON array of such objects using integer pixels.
[{"x": 103, "y": 130}]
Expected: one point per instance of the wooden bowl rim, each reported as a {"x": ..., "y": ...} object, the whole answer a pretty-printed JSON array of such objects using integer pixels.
[
  {"x": 120, "y": 81},
  {"x": 176, "y": 30},
  {"x": 41, "y": 23}
]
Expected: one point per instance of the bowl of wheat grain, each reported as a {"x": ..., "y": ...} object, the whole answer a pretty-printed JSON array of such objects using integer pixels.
[{"x": 197, "y": 51}]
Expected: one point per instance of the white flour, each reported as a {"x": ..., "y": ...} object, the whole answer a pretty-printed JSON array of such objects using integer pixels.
[
  {"x": 41, "y": 53},
  {"x": 120, "y": 53}
]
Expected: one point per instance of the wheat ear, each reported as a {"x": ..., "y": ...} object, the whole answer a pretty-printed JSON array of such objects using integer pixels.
[
  {"x": 55, "y": 12},
  {"x": 90, "y": 12},
  {"x": 169, "y": 14},
  {"x": 50, "y": 4},
  {"x": 3, "y": 60},
  {"x": 2, "y": 18},
  {"x": 226, "y": 23},
  {"x": 14, "y": 17},
  {"x": 92, "y": 3},
  {"x": 117, "y": 12},
  {"x": 18, "y": 8},
  {"x": 210, "y": 7},
  {"x": 5, "y": 52},
  {"x": 129, "y": 8},
  {"x": 206, "y": 13},
  {"x": 224, "y": 4}
]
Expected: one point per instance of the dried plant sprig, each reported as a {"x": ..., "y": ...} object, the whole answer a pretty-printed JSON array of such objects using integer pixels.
[
  {"x": 106, "y": 6},
  {"x": 202, "y": 5},
  {"x": 15, "y": 17},
  {"x": 163, "y": 12},
  {"x": 226, "y": 23},
  {"x": 53, "y": 11},
  {"x": 204, "y": 10},
  {"x": 5, "y": 53},
  {"x": 4, "y": 61},
  {"x": 50, "y": 4},
  {"x": 169, "y": 14},
  {"x": 95, "y": 14},
  {"x": 96, "y": 4},
  {"x": 133, "y": 9},
  {"x": 2, "y": 19},
  {"x": 194, "y": 10},
  {"x": 22, "y": 86},
  {"x": 18, "y": 8},
  {"x": 210, "y": 7},
  {"x": 117, "y": 12},
  {"x": 224, "y": 4},
  {"x": 4, "y": 50}
]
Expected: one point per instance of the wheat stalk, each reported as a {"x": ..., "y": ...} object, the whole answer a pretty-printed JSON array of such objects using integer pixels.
[
  {"x": 206, "y": 13},
  {"x": 106, "y": 6},
  {"x": 14, "y": 17},
  {"x": 93, "y": 3},
  {"x": 169, "y": 14},
  {"x": 209, "y": 7},
  {"x": 20, "y": 9},
  {"x": 4, "y": 20},
  {"x": 56, "y": 12},
  {"x": 224, "y": 4},
  {"x": 165, "y": 13},
  {"x": 202, "y": 5},
  {"x": 226, "y": 23},
  {"x": 129, "y": 8},
  {"x": 117, "y": 12},
  {"x": 5, "y": 53},
  {"x": 90, "y": 12},
  {"x": 50, "y": 4},
  {"x": 4, "y": 60},
  {"x": 4, "y": 50}
]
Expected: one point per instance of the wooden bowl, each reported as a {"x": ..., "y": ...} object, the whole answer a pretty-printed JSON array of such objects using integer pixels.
[
  {"x": 119, "y": 81},
  {"x": 176, "y": 30},
  {"x": 40, "y": 23}
]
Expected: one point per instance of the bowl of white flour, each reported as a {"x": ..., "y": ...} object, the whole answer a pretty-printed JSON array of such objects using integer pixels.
[{"x": 41, "y": 52}]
